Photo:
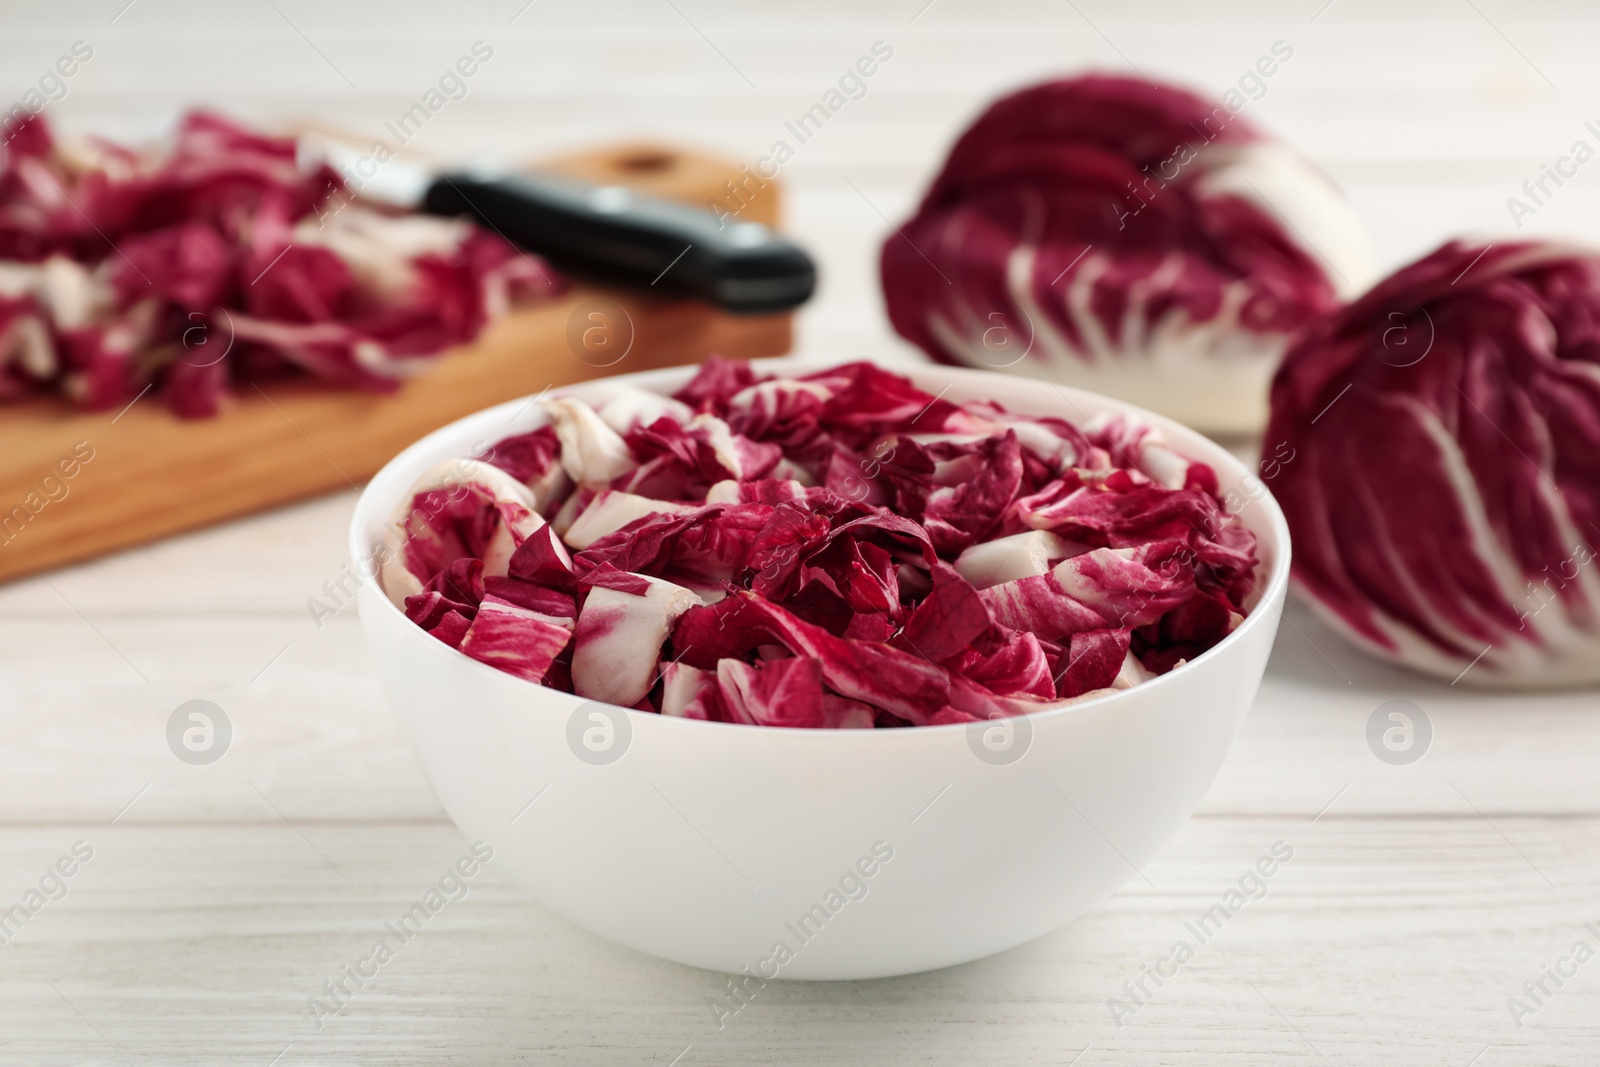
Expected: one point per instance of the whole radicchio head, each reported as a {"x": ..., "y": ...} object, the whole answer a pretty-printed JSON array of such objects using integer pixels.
[
  {"x": 1438, "y": 445},
  {"x": 1129, "y": 238}
]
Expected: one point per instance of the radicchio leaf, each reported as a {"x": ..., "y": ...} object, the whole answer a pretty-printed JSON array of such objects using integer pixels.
[
  {"x": 1094, "y": 659},
  {"x": 621, "y": 628},
  {"x": 533, "y": 597},
  {"x": 689, "y": 692},
  {"x": 781, "y": 692},
  {"x": 875, "y": 674},
  {"x": 516, "y": 639},
  {"x": 543, "y": 560},
  {"x": 952, "y": 618},
  {"x": 1006, "y": 559},
  {"x": 1017, "y": 667},
  {"x": 458, "y": 509}
]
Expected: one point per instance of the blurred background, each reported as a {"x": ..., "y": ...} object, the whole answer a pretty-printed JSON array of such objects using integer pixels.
[
  {"x": 220, "y": 897},
  {"x": 1429, "y": 115}
]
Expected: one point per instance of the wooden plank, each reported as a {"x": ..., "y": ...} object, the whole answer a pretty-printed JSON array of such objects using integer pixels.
[
  {"x": 1387, "y": 948},
  {"x": 96, "y": 659},
  {"x": 689, "y": 177}
]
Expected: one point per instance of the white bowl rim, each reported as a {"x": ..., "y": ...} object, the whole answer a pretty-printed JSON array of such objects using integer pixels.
[{"x": 1178, "y": 435}]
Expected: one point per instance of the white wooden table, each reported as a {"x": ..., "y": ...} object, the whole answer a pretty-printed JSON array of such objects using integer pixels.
[{"x": 219, "y": 898}]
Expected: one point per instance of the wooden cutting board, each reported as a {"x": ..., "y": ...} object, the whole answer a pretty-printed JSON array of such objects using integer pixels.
[{"x": 75, "y": 485}]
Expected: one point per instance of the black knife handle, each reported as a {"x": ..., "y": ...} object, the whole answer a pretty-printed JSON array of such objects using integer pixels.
[{"x": 616, "y": 235}]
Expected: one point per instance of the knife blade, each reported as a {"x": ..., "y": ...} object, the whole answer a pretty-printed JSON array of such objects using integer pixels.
[{"x": 608, "y": 233}]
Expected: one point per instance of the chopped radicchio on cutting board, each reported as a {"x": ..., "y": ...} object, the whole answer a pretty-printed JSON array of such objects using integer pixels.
[{"x": 216, "y": 259}]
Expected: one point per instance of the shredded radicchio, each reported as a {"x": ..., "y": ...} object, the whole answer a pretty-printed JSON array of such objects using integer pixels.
[
  {"x": 217, "y": 259},
  {"x": 836, "y": 550}
]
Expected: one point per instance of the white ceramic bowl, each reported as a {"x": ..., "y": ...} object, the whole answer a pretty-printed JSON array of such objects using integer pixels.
[{"x": 864, "y": 853}]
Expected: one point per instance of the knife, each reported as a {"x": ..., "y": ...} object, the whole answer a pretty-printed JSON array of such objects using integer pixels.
[{"x": 608, "y": 233}]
